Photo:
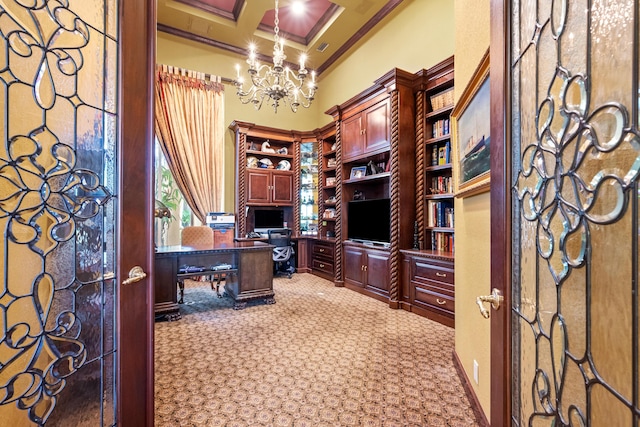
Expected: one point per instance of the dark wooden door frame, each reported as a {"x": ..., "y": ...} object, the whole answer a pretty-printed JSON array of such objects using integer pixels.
[
  {"x": 500, "y": 213},
  {"x": 135, "y": 233}
]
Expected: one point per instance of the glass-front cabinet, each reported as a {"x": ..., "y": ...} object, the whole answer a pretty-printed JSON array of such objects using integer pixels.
[{"x": 309, "y": 188}]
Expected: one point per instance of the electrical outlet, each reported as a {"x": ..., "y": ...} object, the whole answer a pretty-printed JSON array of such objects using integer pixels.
[{"x": 475, "y": 371}]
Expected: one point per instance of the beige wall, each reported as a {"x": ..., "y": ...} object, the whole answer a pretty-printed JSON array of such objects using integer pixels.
[
  {"x": 417, "y": 34},
  {"x": 472, "y": 224}
]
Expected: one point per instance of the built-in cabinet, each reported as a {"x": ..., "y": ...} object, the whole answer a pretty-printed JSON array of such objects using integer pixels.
[
  {"x": 269, "y": 187},
  {"x": 367, "y": 131},
  {"x": 322, "y": 258},
  {"x": 376, "y": 132},
  {"x": 267, "y": 173},
  {"x": 308, "y": 224},
  {"x": 428, "y": 286},
  {"x": 428, "y": 283},
  {"x": 367, "y": 269},
  {"x": 391, "y": 142}
]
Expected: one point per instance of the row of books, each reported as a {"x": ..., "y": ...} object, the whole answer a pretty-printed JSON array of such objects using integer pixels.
[
  {"x": 441, "y": 185},
  {"x": 440, "y": 213},
  {"x": 441, "y": 154},
  {"x": 440, "y": 128},
  {"x": 442, "y": 241},
  {"x": 442, "y": 99}
]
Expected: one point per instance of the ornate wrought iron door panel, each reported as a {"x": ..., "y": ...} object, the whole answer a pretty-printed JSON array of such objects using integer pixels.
[
  {"x": 58, "y": 81},
  {"x": 576, "y": 157}
]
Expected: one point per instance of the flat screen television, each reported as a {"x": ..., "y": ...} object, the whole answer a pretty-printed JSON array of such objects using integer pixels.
[
  {"x": 267, "y": 219},
  {"x": 369, "y": 221}
]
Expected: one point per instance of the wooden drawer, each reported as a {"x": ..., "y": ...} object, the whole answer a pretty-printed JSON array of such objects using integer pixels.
[
  {"x": 323, "y": 249},
  {"x": 436, "y": 287},
  {"x": 426, "y": 271},
  {"x": 322, "y": 265},
  {"x": 434, "y": 299}
]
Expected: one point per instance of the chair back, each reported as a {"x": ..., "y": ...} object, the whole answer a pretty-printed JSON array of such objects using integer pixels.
[
  {"x": 280, "y": 237},
  {"x": 198, "y": 237}
]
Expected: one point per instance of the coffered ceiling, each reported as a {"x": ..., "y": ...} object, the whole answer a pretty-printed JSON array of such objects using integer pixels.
[{"x": 324, "y": 31}]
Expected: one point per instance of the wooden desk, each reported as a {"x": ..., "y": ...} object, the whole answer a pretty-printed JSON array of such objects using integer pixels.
[{"x": 250, "y": 276}]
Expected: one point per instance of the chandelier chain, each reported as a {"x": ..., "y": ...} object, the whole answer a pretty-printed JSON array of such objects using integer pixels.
[{"x": 276, "y": 27}]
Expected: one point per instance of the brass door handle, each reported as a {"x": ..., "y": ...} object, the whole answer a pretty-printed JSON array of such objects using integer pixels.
[
  {"x": 135, "y": 275},
  {"x": 495, "y": 299}
]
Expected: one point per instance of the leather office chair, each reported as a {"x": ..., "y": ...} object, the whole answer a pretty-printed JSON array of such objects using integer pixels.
[
  {"x": 200, "y": 237},
  {"x": 283, "y": 251}
]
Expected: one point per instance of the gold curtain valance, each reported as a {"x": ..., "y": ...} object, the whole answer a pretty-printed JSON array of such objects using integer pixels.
[{"x": 189, "y": 78}]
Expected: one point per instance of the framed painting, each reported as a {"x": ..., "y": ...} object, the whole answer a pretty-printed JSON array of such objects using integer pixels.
[{"x": 471, "y": 124}]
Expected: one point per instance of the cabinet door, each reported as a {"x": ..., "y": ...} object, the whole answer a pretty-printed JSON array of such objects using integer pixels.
[
  {"x": 377, "y": 270},
  {"x": 377, "y": 127},
  {"x": 282, "y": 189},
  {"x": 352, "y": 138},
  {"x": 258, "y": 187},
  {"x": 354, "y": 265}
]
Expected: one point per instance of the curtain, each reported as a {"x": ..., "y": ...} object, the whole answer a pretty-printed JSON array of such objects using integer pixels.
[{"x": 189, "y": 124}]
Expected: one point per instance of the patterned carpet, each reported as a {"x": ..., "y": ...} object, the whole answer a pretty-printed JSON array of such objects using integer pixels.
[{"x": 320, "y": 356}]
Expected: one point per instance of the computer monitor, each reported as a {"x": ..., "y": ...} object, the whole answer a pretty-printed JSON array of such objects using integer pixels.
[{"x": 267, "y": 219}]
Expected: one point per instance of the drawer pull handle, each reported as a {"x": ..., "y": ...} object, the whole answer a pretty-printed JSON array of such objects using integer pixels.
[
  {"x": 321, "y": 265},
  {"x": 441, "y": 274},
  {"x": 321, "y": 250},
  {"x": 440, "y": 301}
]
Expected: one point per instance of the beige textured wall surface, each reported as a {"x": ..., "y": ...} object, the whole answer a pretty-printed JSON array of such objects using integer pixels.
[
  {"x": 417, "y": 34},
  {"x": 472, "y": 223}
]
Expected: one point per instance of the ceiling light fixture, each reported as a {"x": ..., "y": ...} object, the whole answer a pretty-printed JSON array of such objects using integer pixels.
[{"x": 278, "y": 84}]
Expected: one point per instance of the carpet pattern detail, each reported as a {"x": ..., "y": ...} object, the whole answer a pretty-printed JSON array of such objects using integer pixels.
[{"x": 321, "y": 356}]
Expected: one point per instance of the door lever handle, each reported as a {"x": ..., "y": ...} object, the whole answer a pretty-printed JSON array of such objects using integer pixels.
[
  {"x": 135, "y": 275},
  {"x": 495, "y": 299}
]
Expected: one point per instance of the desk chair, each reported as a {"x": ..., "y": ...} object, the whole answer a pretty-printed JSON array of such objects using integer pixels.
[
  {"x": 283, "y": 251},
  {"x": 199, "y": 237}
]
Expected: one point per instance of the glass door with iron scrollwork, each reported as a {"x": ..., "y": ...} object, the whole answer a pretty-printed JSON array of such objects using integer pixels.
[
  {"x": 575, "y": 164},
  {"x": 58, "y": 183}
]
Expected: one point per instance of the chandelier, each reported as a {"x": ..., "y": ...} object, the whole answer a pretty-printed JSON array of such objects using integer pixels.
[{"x": 278, "y": 83}]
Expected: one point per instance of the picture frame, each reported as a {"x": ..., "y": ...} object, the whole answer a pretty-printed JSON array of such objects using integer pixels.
[
  {"x": 358, "y": 172},
  {"x": 470, "y": 120}
]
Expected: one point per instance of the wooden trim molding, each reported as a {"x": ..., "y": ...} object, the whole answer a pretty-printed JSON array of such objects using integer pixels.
[
  {"x": 394, "y": 193},
  {"x": 382, "y": 13},
  {"x": 501, "y": 359},
  {"x": 338, "y": 227},
  {"x": 481, "y": 418},
  {"x": 233, "y": 15},
  {"x": 420, "y": 163}
]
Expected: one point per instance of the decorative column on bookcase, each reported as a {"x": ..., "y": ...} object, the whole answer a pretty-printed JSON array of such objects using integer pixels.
[
  {"x": 241, "y": 196},
  {"x": 296, "y": 185},
  {"x": 338, "y": 226},
  {"x": 420, "y": 163},
  {"x": 395, "y": 199},
  {"x": 321, "y": 183}
]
